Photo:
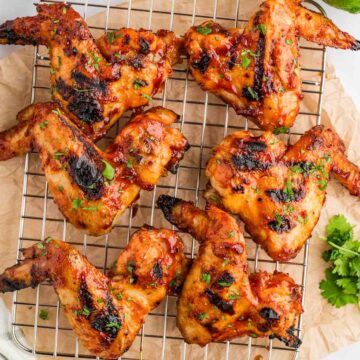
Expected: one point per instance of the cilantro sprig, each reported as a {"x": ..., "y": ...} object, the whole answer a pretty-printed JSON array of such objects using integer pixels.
[{"x": 341, "y": 285}]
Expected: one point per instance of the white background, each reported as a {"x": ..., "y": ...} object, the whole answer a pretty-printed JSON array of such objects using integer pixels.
[{"x": 347, "y": 66}]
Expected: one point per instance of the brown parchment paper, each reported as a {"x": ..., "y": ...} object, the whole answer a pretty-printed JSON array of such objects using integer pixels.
[{"x": 326, "y": 329}]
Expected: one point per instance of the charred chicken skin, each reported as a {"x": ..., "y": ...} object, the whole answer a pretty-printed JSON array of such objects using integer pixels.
[
  {"x": 95, "y": 83},
  {"x": 278, "y": 192},
  {"x": 105, "y": 312},
  {"x": 257, "y": 70},
  {"x": 91, "y": 187},
  {"x": 219, "y": 300}
]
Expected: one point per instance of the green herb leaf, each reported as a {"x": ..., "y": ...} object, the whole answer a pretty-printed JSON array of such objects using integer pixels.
[
  {"x": 245, "y": 61},
  {"x": 76, "y": 203},
  {"x": 205, "y": 277},
  {"x": 109, "y": 171},
  {"x": 202, "y": 316},
  {"x": 44, "y": 315},
  {"x": 138, "y": 83},
  {"x": 281, "y": 130},
  {"x": 289, "y": 42},
  {"x": 110, "y": 36},
  {"x": 43, "y": 124},
  {"x": 204, "y": 30},
  {"x": 64, "y": 10},
  {"x": 147, "y": 97}
]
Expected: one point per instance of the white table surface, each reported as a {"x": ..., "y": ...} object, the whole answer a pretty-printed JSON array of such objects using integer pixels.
[{"x": 347, "y": 66}]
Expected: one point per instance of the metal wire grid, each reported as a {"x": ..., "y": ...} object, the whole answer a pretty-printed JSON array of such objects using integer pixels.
[{"x": 180, "y": 74}]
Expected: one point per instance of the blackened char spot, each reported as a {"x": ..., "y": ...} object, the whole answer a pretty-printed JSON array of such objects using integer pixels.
[
  {"x": 144, "y": 46},
  {"x": 222, "y": 304},
  {"x": 157, "y": 271},
  {"x": 280, "y": 225},
  {"x": 269, "y": 314},
  {"x": 127, "y": 39},
  {"x": 7, "y": 32},
  {"x": 254, "y": 146},
  {"x": 84, "y": 97},
  {"x": 203, "y": 63},
  {"x": 247, "y": 161},
  {"x": 87, "y": 174},
  {"x": 7, "y": 285},
  {"x": 280, "y": 195},
  {"x": 257, "y": 90},
  {"x": 85, "y": 297},
  {"x": 232, "y": 61},
  {"x": 356, "y": 45},
  {"x": 292, "y": 341},
  {"x": 226, "y": 278},
  {"x": 107, "y": 321},
  {"x": 84, "y": 82},
  {"x": 87, "y": 108},
  {"x": 238, "y": 189},
  {"x": 166, "y": 203},
  {"x": 135, "y": 63}
]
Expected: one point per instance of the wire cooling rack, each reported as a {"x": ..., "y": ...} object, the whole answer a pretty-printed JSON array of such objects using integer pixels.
[{"x": 204, "y": 120}]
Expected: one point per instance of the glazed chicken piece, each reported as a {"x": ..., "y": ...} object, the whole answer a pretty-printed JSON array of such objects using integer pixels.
[
  {"x": 105, "y": 312},
  {"x": 257, "y": 70},
  {"x": 93, "y": 188},
  {"x": 96, "y": 83},
  {"x": 278, "y": 192},
  {"x": 219, "y": 301}
]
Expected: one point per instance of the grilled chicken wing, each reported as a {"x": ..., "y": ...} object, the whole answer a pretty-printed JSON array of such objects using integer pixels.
[
  {"x": 94, "y": 92},
  {"x": 277, "y": 191},
  {"x": 257, "y": 70},
  {"x": 106, "y": 313},
  {"x": 219, "y": 300},
  {"x": 92, "y": 188}
]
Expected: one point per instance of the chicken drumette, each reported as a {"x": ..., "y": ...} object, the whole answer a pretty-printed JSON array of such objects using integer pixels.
[
  {"x": 219, "y": 300},
  {"x": 96, "y": 83},
  {"x": 105, "y": 312},
  {"x": 91, "y": 187},
  {"x": 277, "y": 191},
  {"x": 257, "y": 70}
]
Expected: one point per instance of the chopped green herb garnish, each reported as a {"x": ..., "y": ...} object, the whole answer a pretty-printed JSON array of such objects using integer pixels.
[
  {"x": 43, "y": 124},
  {"x": 100, "y": 301},
  {"x": 58, "y": 154},
  {"x": 64, "y": 10},
  {"x": 113, "y": 325},
  {"x": 234, "y": 295},
  {"x": 91, "y": 208},
  {"x": 303, "y": 220},
  {"x": 56, "y": 111},
  {"x": 55, "y": 21},
  {"x": 322, "y": 184},
  {"x": 245, "y": 61},
  {"x": 252, "y": 92},
  {"x": 139, "y": 84},
  {"x": 225, "y": 262},
  {"x": 110, "y": 36},
  {"x": 119, "y": 296},
  {"x": 130, "y": 266},
  {"x": 44, "y": 315},
  {"x": 76, "y": 203},
  {"x": 40, "y": 245},
  {"x": 231, "y": 233},
  {"x": 288, "y": 42},
  {"x": 129, "y": 164},
  {"x": 48, "y": 239},
  {"x": 281, "y": 89},
  {"x": 147, "y": 97},
  {"x": 205, "y": 277},
  {"x": 224, "y": 283},
  {"x": 202, "y": 316},
  {"x": 281, "y": 130},
  {"x": 109, "y": 171},
  {"x": 204, "y": 30}
]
